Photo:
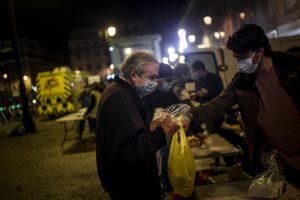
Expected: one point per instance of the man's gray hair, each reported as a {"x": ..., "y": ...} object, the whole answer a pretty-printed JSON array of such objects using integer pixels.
[{"x": 137, "y": 62}]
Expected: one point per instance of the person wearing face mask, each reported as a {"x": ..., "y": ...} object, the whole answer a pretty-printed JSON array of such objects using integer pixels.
[
  {"x": 126, "y": 143},
  {"x": 208, "y": 86},
  {"x": 182, "y": 77},
  {"x": 266, "y": 90},
  {"x": 163, "y": 96}
]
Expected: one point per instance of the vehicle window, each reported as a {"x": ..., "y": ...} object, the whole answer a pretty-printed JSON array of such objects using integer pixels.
[{"x": 207, "y": 57}]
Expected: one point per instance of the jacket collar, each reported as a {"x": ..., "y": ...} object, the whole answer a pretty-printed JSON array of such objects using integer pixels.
[
  {"x": 126, "y": 85},
  {"x": 123, "y": 83}
]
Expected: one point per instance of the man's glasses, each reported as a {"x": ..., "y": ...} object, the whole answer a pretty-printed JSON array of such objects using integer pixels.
[{"x": 153, "y": 78}]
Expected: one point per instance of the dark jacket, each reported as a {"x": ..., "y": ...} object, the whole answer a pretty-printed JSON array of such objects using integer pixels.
[
  {"x": 243, "y": 91},
  {"x": 126, "y": 150},
  {"x": 161, "y": 99},
  {"x": 214, "y": 85}
]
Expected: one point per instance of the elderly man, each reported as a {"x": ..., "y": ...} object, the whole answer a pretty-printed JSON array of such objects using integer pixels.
[{"x": 126, "y": 147}]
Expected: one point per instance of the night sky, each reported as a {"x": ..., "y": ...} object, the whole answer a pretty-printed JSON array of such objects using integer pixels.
[{"x": 50, "y": 21}]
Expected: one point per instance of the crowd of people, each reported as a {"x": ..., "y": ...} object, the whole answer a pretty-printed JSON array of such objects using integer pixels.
[{"x": 265, "y": 92}]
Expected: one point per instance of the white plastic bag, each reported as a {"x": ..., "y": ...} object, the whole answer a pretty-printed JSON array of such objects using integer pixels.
[
  {"x": 179, "y": 113},
  {"x": 271, "y": 183}
]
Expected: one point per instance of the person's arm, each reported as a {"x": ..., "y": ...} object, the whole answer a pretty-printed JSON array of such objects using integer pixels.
[
  {"x": 216, "y": 107},
  {"x": 126, "y": 139},
  {"x": 92, "y": 104}
]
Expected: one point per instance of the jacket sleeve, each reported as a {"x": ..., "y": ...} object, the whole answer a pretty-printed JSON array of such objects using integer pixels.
[
  {"x": 125, "y": 137},
  {"x": 91, "y": 105},
  {"x": 216, "y": 107}
]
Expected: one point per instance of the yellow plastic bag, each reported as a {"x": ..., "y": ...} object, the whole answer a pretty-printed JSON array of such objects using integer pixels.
[{"x": 181, "y": 164}]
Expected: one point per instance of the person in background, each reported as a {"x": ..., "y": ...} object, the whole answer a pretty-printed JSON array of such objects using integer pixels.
[
  {"x": 266, "y": 89},
  {"x": 126, "y": 143},
  {"x": 91, "y": 112},
  {"x": 208, "y": 86},
  {"x": 84, "y": 99},
  {"x": 163, "y": 96},
  {"x": 182, "y": 76}
]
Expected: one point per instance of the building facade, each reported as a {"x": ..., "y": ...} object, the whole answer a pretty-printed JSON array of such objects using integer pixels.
[
  {"x": 226, "y": 16},
  {"x": 278, "y": 18},
  {"x": 88, "y": 50},
  {"x": 34, "y": 58},
  {"x": 91, "y": 48}
]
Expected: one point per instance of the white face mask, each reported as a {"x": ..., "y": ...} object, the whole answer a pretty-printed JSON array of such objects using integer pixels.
[
  {"x": 146, "y": 89},
  {"x": 194, "y": 76},
  {"x": 247, "y": 66},
  {"x": 165, "y": 87}
]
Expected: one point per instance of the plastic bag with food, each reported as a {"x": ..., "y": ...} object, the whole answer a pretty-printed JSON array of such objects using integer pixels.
[
  {"x": 271, "y": 183},
  {"x": 179, "y": 112},
  {"x": 178, "y": 166}
]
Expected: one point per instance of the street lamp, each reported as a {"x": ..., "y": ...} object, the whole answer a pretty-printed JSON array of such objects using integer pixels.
[
  {"x": 128, "y": 51},
  {"x": 112, "y": 67},
  {"x": 242, "y": 15},
  {"x": 111, "y": 31},
  {"x": 26, "y": 116},
  {"x": 182, "y": 40},
  {"x": 207, "y": 20},
  {"x": 222, "y": 34},
  {"x": 192, "y": 38},
  {"x": 108, "y": 35},
  {"x": 217, "y": 35}
]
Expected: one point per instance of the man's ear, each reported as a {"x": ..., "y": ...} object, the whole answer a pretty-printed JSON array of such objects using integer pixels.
[{"x": 133, "y": 75}]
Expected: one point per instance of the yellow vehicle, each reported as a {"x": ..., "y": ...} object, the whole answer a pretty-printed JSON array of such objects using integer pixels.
[{"x": 58, "y": 90}]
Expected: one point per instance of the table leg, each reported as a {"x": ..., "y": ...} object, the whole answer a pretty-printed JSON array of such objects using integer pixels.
[{"x": 65, "y": 136}]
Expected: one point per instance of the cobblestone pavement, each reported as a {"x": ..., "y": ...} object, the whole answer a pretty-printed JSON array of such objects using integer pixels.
[{"x": 34, "y": 166}]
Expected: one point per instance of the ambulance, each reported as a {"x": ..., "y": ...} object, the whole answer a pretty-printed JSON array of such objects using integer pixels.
[{"x": 58, "y": 90}]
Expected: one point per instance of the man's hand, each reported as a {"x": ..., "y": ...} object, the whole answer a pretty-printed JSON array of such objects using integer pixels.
[
  {"x": 169, "y": 126},
  {"x": 185, "y": 124}
]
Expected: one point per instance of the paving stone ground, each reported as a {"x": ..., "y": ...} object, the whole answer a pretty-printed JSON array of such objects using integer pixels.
[{"x": 34, "y": 166}]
